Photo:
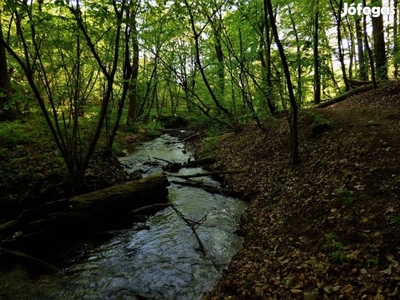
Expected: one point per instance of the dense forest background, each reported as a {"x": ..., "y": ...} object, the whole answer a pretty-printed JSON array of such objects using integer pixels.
[{"x": 89, "y": 67}]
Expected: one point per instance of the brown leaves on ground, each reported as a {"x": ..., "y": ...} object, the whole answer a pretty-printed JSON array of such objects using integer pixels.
[{"x": 330, "y": 227}]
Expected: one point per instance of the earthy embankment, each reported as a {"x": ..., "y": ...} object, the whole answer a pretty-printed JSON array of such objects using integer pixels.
[{"x": 330, "y": 227}]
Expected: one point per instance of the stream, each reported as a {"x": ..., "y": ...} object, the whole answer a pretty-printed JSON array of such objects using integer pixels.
[{"x": 162, "y": 262}]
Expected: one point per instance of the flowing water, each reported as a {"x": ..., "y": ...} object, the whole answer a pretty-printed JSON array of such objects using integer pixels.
[{"x": 166, "y": 261}]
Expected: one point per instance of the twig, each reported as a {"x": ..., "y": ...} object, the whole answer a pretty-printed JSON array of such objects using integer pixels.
[
  {"x": 192, "y": 226},
  {"x": 191, "y": 136},
  {"x": 167, "y": 161},
  {"x": 156, "y": 206}
]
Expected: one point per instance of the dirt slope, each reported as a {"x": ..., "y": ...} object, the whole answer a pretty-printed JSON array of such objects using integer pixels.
[{"x": 330, "y": 227}]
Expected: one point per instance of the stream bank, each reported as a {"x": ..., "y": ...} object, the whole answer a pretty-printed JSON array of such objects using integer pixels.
[{"x": 329, "y": 227}]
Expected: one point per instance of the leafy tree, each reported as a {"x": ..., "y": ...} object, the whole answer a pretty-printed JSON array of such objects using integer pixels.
[
  {"x": 293, "y": 103},
  {"x": 63, "y": 83}
]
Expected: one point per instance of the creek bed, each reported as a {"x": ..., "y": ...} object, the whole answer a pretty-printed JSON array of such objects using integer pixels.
[{"x": 162, "y": 262}]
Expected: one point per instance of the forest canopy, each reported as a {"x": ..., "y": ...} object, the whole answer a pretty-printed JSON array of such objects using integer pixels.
[{"x": 89, "y": 66}]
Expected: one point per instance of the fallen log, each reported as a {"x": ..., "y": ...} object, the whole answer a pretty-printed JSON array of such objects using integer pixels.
[
  {"x": 356, "y": 83},
  {"x": 210, "y": 189},
  {"x": 175, "y": 167},
  {"x": 201, "y": 162},
  {"x": 9, "y": 226},
  {"x": 99, "y": 210},
  {"x": 344, "y": 96}
]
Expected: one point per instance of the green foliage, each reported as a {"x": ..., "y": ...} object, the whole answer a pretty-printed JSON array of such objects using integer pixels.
[
  {"x": 395, "y": 220},
  {"x": 346, "y": 195},
  {"x": 338, "y": 257},
  {"x": 373, "y": 261},
  {"x": 15, "y": 133},
  {"x": 222, "y": 72},
  {"x": 319, "y": 118},
  {"x": 346, "y": 171},
  {"x": 335, "y": 247},
  {"x": 208, "y": 146}
]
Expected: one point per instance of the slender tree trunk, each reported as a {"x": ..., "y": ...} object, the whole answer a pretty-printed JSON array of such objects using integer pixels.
[
  {"x": 360, "y": 50},
  {"x": 132, "y": 110},
  {"x": 379, "y": 45},
  {"x": 127, "y": 75},
  {"x": 351, "y": 43},
  {"x": 146, "y": 95},
  {"x": 244, "y": 83},
  {"x": 266, "y": 85},
  {"x": 299, "y": 62},
  {"x": 5, "y": 87},
  {"x": 293, "y": 126},
  {"x": 317, "y": 75},
  {"x": 196, "y": 34},
  {"x": 369, "y": 51},
  {"x": 270, "y": 101},
  {"x": 220, "y": 58},
  {"x": 339, "y": 40},
  {"x": 396, "y": 41}
]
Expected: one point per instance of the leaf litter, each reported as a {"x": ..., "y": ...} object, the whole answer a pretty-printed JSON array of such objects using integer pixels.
[{"x": 328, "y": 228}]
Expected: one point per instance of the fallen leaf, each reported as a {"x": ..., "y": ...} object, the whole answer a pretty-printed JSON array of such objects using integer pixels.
[{"x": 347, "y": 289}]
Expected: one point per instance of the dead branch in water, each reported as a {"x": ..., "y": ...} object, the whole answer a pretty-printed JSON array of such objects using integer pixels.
[
  {"x": 151, "y": 208},
  {"x": 27, "y": 259},
  {"x": 209, "y": 173},
  {"x": 209, "y": 188},
  {"x": 193, "y": 225}
]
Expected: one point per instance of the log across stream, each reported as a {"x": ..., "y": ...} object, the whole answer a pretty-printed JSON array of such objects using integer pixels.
[{"x": 178, "y": 253}]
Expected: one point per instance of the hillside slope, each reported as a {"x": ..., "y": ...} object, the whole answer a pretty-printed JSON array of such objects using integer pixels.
[{"x": 330, "y": 227}]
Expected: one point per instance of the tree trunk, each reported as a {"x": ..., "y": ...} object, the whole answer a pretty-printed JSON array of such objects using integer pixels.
[
  {"x": 5, "y": 88},
  {"x": 270, "y": 101},
  {"x": 132, "y": 110},
  {"x": 396, "y": 41},
  {"x": 317, "y": 75},
  {"x": 233, "y": 124},
  {"x": 339, "y": 39},
  {"x": 299, "y": 60},
  {"x": 220, "y": 58},
  {"x": 293, "y": 103},
  {"x": 360, "y": 50},
  {"x": 369, "y": 51},
  {"x": 344, "y": 96},
  {"x": 379, "y": 46}
]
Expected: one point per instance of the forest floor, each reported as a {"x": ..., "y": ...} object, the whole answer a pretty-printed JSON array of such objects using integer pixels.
[{"x": 328, "y": 228}]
